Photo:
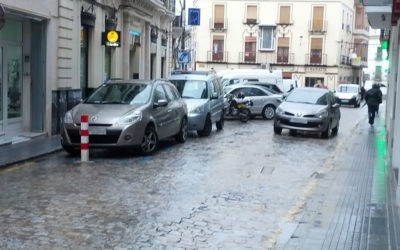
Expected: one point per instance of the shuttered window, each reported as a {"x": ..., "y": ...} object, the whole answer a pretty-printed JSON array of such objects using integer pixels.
[
  {"x": 316, "y": 50},
  {"x": 284, "y": 15},
  {"x": 283, "y": 41},
  {"x": 318, "y": 18},
  {"x": 219, "y": 14},
  {"x": 251, "y": 13}
]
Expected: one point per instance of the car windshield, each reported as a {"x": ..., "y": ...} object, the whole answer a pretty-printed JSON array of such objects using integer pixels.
[
  {"x": 308, "y": 97},
  {"x": 193, "y": 89},
  {"x": 120, "y": 93},
  {"x": 347, "y": 89}
]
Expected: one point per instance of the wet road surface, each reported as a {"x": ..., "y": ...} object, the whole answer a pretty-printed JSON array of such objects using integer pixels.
[{"x": 227, "y": 191}]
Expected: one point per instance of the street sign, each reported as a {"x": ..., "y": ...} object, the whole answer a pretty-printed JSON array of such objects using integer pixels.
[
  {"x": 194, "y": 16},
  {"x": 184, "y": 57}
]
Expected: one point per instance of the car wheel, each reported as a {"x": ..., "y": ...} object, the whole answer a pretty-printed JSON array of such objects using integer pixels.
[
  {"x": 220, "y": 123},
  {"x": 149, "y": 141},
  {"x": 206, "y": 131},
  {"x": 327, "y": 133},
  {"x": 277, "y": 130},
  {"x": 268, "y": 112},
  {"x": 335, "y": 129},
  {"x": 244, "y": 115},
  {"x": 182, "y": 135},
  {"x": 70, "y": 150}
]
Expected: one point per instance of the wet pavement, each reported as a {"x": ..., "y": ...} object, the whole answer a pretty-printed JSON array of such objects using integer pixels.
[{"x": 241, "y": 188}]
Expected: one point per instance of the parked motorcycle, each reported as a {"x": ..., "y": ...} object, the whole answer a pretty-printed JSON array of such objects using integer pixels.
[{"x": 239, "y": 107}]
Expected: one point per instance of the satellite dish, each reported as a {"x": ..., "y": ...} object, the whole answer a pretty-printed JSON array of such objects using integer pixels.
[{"x": 2, "y": 17}]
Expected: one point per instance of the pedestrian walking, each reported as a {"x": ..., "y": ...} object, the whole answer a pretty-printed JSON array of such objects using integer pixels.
[{"x": 373, "y": 98}]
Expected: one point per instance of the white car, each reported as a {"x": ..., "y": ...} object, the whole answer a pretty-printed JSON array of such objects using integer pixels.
[{"x": 349, "y": 94}]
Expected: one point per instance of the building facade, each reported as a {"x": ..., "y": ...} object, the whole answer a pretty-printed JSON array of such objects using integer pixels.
[
  {"x": 54, "y": 52},
  {"x": 312, "y": 42},
  {"x": 377, "y": 58}
]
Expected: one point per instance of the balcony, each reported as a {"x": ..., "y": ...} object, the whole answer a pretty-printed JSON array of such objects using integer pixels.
[
  {"x": 220, "y": 25},
  {"x": 318, "y": 26},
  {"x": 359, "y": 62},
  {"x": 250, "y": 21},
  {"x": 345, "y": 60},
  {"x": 316, "y": 59},
  {"x": 218, "y": 57},
  {"x": 248, "y": 57},
  {"x": 275, "y": 58}
]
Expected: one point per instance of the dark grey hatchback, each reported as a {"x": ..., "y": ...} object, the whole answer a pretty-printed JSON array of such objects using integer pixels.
[
  {"x": 308, "y": 109},
  {"x": 128, "y": 113}
]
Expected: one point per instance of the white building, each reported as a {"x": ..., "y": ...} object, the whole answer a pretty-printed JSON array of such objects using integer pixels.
[
  {"x": 313, "y": 42},
  {"x": 53, "y": 53}
]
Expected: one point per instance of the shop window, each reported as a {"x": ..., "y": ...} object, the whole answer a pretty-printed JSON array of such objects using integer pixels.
[
  {"x": 267, "y": 37},
  {"x": 12, "y": 31}
]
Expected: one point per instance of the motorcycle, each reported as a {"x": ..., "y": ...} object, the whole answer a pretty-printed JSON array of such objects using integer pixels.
[{"x": 239, "y": 107}]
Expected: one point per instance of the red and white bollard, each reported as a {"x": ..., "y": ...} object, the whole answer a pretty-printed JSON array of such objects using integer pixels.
[{"x": 84, "y": 138}]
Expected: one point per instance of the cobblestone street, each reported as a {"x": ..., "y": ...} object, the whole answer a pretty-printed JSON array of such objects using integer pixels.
[{"x": 232, "y": 190}]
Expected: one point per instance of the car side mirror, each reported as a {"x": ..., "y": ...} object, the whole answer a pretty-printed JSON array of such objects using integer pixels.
[
  {"x": 214, "y": 96},
  {"x": 161, "y": 103}
]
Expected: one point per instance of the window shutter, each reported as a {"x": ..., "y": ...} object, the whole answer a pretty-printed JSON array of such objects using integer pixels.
[
  {"x": 219, "y": 14},
  {"x": 318, "y": 18},
  {"x": 251, "y": 12},
  {"x": 283, "y": 42},
  {"x": 284, "y": 14},
  {"x": 316, "y": 43}
]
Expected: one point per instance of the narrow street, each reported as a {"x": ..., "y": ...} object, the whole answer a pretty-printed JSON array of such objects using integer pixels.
[{"x": 232, "y": 190}]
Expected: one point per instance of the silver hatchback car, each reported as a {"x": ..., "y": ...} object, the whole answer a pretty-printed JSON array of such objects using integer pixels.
[
  {"x": 203, "y": 94},
  {"x": 308, "y": 109},
  {"x": 128, "y": 113}
]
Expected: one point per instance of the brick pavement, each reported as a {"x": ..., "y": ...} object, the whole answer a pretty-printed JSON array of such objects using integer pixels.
[{"x": 349, "y": 207}]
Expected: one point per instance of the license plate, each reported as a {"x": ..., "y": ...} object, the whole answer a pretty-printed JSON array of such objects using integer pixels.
[
  {"x": 298, "y": 120},
  {"x": 344, "y": 100},
  {"x": 97, "y": 131}
]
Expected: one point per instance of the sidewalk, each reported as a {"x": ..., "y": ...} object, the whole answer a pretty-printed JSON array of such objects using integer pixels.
[
  {"x": 352, "y": 207},
  {"x": 18, "y": 152}
]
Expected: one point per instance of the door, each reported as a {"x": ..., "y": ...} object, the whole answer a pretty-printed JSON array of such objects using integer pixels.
[
  {"x": 259, "y": 98},
  {"x": 1, "y": 93},
  {"x": 162, "y": 115},
  {"x": 215, "y": 106},
  {"x": 175, "y": 115}
]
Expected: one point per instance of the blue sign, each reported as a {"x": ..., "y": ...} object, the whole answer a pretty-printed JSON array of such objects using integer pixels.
[
  {"x": 194, "y": 16},
  {"x": 184, "y": 57},
  {"x": 134, "y": 33}
]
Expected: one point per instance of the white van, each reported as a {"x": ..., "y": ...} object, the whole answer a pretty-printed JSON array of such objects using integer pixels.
[
  {"x": 255, "y": 75},
  {"x": 287, "y": 85}
]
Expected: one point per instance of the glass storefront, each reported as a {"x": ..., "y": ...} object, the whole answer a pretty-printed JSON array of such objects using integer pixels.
[{"x": 14, "y": 73}]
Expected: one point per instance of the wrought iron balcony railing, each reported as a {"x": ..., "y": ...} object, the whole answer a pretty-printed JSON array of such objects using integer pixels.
[{"x": 219, "y": 56}]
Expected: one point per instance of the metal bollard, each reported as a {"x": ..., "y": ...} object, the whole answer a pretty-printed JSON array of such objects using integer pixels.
[{"x": 84, "y": 138}]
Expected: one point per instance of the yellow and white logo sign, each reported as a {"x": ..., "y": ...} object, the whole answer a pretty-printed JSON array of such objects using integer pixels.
[{"x": 112, "y": 36}]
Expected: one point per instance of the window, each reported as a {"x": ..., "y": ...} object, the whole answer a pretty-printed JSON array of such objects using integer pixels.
[
  {"x": 267, "y": 37},
  {"x": 283, "y": 50},
  {"x": 318, "y": 18},
  {"x": 250, "y": 49},
  {"x": 251, "y": 14},
  {"x": 343, "y": 20},
  {"x": 159, "y": 94},
  {"x": 316, "y": 51},
  {"x": 219, "y": 16},
  {"x": 218, "y": 48},
  {"x": 170, "y": 94},
  {"x": 256, "y": 92},
  {"x": 284, "y": 15}
]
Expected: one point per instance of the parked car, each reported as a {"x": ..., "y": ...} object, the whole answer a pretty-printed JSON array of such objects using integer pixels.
[
  {"x": 264, "y": 101},
  {"x": 349, "y": 94},
  {"x": 250, "y": 75},
  {"x": 272, "y": 87},
  {"x": 203, "y": 94},
  {"x": 128, "y": 113},
  {"x": 308, "y": 109}
]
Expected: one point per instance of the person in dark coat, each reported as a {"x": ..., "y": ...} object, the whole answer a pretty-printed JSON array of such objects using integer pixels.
[{"x": 373, "y": 98}]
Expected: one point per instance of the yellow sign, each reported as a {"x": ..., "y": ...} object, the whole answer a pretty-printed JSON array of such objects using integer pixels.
[{"x": 112, "y": 36}]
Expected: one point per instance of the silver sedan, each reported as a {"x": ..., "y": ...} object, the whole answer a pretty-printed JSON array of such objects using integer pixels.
[
  {"x": 264, "y": 101},
  {"x": 128, "y": 113}
]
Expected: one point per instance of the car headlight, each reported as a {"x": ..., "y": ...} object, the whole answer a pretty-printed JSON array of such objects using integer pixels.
[
  {"x": 68, "y": 118},
  {"x": 130, "y": 118},
  {"x": 322, "y": 114},
  {"x": 279, "y": 110},
  {"x": 198, "y": 109}
]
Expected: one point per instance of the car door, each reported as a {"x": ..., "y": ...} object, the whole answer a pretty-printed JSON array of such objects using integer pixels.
[
  {"x": 259, "y": 98},
  {"x": 176, "y": 113},
  {"x": 162, "y": 115},
  {"x": 215, "y": 103},
  {"x": 335, "y": 110}
]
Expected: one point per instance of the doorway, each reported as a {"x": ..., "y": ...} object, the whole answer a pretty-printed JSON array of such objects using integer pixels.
[{"x": 312, "y": 81}]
